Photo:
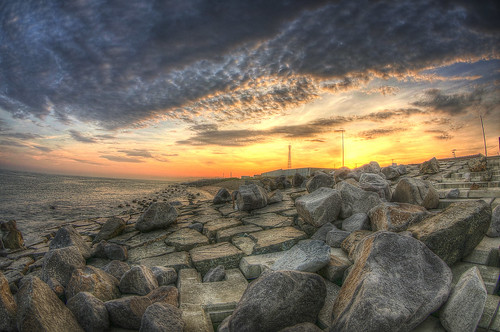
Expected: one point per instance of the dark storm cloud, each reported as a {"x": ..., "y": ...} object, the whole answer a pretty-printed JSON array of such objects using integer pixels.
[
  {"x": 119, "y": 64},
  {"x": 77, "y": 136},
  {"x": 441, "y": 134},
  {"x": 379, "y": 132},
  {"x": 452, "y": 104}
]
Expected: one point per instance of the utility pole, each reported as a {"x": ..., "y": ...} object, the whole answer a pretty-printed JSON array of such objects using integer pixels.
[
  {"x": 289, "y": 156},
  {"x": 341, "y": 131},
  {"x": 484, "y": 137}
]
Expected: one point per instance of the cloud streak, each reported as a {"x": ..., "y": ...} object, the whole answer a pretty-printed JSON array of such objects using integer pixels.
[{"x": 122, "y": 65}]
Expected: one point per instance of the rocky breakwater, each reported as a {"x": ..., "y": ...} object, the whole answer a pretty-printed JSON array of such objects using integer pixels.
[{"x": 356, "y": 250}]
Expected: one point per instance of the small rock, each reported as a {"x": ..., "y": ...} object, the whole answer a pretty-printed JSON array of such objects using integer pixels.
[
  {"x": 297, "y": 298},
  {"x": 222, "y": 196},
  {"x": 320, "y": 207},
  {"x": 110, "y": 251},
  {"x": 197, "y": 226},
  {"x": 494, "y": 229},
  {"x": 11, "y": 237},
  {"x": 39, "y": 309},
  {"x": 95, "y": 281},
  {"x": 429, "y": 167},
  {"x": 306, "y": 256},
  {"x": 160, "y": 317},
  {"x": 275, "y": 197},
  {"x": 8, "y": 306},
  {"x": 251, "y": 197},
  {"x": 159, "y": 215},
  {"x": 477, "y": 164},
  {"x": 319, "y": 180},
  {"x": 113, "y": 226},
  {"x": 335, "y": 237},
  {"x": 390, "y": 172},
  {"x": 116, "y": 268},
  {"x": 356, "y": 222},
  {"x": 215, "y": 274},
  {"x": 396, "y": 217},
  {"x": 165, "y": 294},
  {"x": 453, "y": 193},
  {"x": 89, "y": 311},
  {"x": 67, "y": 236},
  {"x": 60, "y": 264},
  {"x": 417, "y": 192},
  {"x": 127, "y": 311},
  {"x": 465, "y": 305},
  {"x": 138, "y": 280},
  {"x": 164, "y": 275}
]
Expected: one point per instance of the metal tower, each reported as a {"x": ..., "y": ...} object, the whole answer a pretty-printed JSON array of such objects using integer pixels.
[{"x": 289, "y": 156}]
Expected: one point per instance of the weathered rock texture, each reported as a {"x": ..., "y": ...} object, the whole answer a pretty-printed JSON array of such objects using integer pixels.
[
  {"x": 494, "y": 229},
  {"x": 113, "y": 226},
  {"x": 430, "y": 166},
  {"x": 356, "y": 200},
  {"x": 162, "y": 317},
  {"x": 127, "y": 312},
  {"x": 89, "y": 311},
  {"x": 396, "y": 217},
  {"x": 297, "y": 298},
  {"x": 251, "y": 197},
  {"x": 417, "y": 192},
  {"x": 39, "y": 309},
  {"x": 67, "y": 236},
  {"x": 306, "y": 256},
  {"x": 465, "y": 305},
  {"x": 138, "y": 280},
  {"x": 455, "y": 232},
  {"x": 90, "y": 279},
  {"x": 319, "y": 180},
  {"x": 159, "y": 215},
  {"x": 222, "y": 196},
  {"x": 377, "y": 184},
  {"x": 8, "y": 306},
  {"x": 477, "y": 164},
  {"x": 60, "y": 264},
  {"x": 394, "y": 284},
  {"x": 320, "y": 207},
  {"x": 11, "y": 237}
]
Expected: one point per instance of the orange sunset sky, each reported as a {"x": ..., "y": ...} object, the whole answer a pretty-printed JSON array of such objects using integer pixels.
[{"x": 148, "y": 89}]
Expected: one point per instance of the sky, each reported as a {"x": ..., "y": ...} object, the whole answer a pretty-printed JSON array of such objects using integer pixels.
[{"x": 203, "y": 88}]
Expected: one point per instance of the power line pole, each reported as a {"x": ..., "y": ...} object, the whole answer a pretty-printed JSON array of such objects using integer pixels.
[
  {"x": 341, "y": 131},
  {"x": 289, "y": 156}
]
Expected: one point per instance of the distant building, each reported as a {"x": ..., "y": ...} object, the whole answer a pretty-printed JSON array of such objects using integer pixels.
[
  {"x": 245, "y": 177},
  {"x": 308, "y": 171}
]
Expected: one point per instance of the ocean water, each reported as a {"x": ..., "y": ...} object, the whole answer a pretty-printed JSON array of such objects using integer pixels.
[{"x": 38, "y": 201}]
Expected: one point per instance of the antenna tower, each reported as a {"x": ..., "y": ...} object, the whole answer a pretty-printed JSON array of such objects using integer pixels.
[{"x": 289, "y": 156}]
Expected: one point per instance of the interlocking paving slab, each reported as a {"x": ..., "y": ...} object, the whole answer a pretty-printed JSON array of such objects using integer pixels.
[
  {"x": 276, "y": 239},
  {"x": 211, "y": 228},
  {"x": 139, "y": 239},
  {"x": 186, "y": 239},
  {"x": 205, "y": 303},
  {"x": 226, "y": 234},
  {"x": 206, "y": 257},
  {"x": 276, "y": 207},
  {"x": 178, "y": 260},
  {"x": 244, "y": 243},
  {"x": 489, "y": 274},
  {"x": 253, "y": 266},
  {"x": 268, "y": 220},
  {"x": 157, "y": 248},
  {"x": 486, "y": 252}
]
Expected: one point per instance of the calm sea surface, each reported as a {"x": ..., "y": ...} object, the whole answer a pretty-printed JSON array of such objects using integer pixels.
[{"x": 37, "y": 201}]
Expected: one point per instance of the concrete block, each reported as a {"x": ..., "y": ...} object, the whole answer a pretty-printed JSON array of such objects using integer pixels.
[
  {"x": 253, "y": 266},
  {"x": 177, "y": 260},
  {"x": 276, "y": 239},
  {"x": 489, "y": 274},
  {"x": 206, "y": 257},
  {"x": 268, "y": 220}
]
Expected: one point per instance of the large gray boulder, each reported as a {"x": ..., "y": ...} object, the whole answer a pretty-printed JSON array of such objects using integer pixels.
[
  {"x": 251, "y": 197},
  {"x": 297, "y": 297},
  {"x": 10, "y": 236},
  {"x": 356, "y": 222},
  {"x": 8, "y": 306},
  {"x": 320, "y": 207},
  {"x": 417, "y": 192},
  {"x": 67, "y": 236},
  {"x": 222, "y": 196},
  {"x": 164, "y": 275},
  {"x": 390, "y": 172},
  {"x": 93, "y": 280},
  {"x": 116, "y": 268},
  {"x": 465, "y": 305},
  {"x": 111, "y": 251},
  {"x": 477, "y": 164},
  {"x": 306, "y": 256},
  {"x": 165, "y": 294},
  {"x": 89, "y": 311},
  {"x": 127, "y": 311},
  {"x": 159, "y": 215},
  {"x": 39, "y": 309},
  {"x": 113, "y": 226},
  {"x": 377, "y": 184},
  {"x": 160, "y": 317},
  {"x": 60, "y": 264},
  {"x": 430, "y": 166},
  {"x": 396, "y": 217},
  {"x": 494, "y": 229},
  {"x": 335, "y": 237},
  {"x": 319, "y": 180},
  {"x": 356, "y": 200},
  {"x": 371, "y": 167},
  {"x": 455, "y": 232},
  {"x": 297, "y": 180},
  {"x": 138, "y": 280},
  {"x": 394, "y": 284}
]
